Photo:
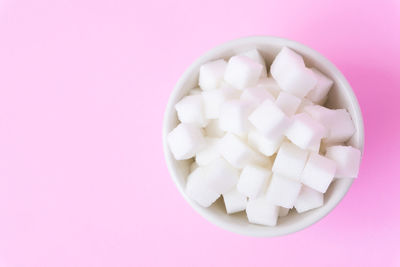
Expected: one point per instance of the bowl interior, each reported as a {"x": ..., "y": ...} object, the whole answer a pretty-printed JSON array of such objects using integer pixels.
[{"x": 340, "y": 96}]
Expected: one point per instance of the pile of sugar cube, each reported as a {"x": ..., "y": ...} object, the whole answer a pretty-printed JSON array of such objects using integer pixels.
[{"x": 263, "y": 141}]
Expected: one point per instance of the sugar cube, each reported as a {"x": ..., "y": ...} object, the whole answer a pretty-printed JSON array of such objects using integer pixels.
[
  {"x": 213, "y": 100},
  {"x": 304, "y": 131},
  {"x": 242, "y": 72},
  {"x": 269, "y": 119},
  {"x": 288, "y": 103},
  {"x": 255, "y": 96},
  {"x": 198, "y": 190},
  {"x": 285, "y": 59},
  {"x": 185, "y": 140},
  {"x": 315, "y": 146},
  {"x": 298, "y": 81},
  {"x": 282, "y": 191},
  {"x": 319, "y": 93},
  {"x": 253, "y": 180},
  {"x": 255, "y": 55},
  {"x": 319, "y": 113},
  {"x": 260, "y": 211},
  {"x": 304, "y": 103},
  {"x": 290, "y": 73},
  {"x": 270, "y": 85},
  {"x": 233, "y": 117},
  {"x": 209, "y": 153},
  {"x": 347, "y": 160},
  {"x": 221, "y": 176},
  {"x": 318, "y": 172},
  {"x": 341, "y": 126},
  {"x": 234, "y": 201},
  {"x": 237, "y": 153},
  {"x": 211, "y": 74},
  {"x": 232, "y": 92},
  {"x": 308, "y": 199},
  {"x": 265, "y": 145},
  {"x": 290, "y": 161},
  {"x": 338, "y": 123},
  {"x": 190, "y": 109}
]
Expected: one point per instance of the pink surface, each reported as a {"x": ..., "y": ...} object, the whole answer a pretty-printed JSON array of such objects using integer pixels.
[{"x": 84, "y": 85}]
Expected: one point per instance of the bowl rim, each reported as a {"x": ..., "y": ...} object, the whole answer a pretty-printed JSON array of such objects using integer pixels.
[{"x": 358, "y": 120}]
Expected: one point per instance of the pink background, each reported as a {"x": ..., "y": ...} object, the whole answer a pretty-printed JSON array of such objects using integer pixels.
[{"x": 84, "y": 85}]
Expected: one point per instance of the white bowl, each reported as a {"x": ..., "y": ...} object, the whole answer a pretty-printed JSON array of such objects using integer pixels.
[{"x": 340, "y": 96}]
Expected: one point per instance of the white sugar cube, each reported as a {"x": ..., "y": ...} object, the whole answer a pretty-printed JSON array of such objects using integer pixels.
[
  {"x": 213, "y": 100},
  {"x": 308, "y": 199},
  {"x": 284, "y": 60},
  {"x": 237, "y": 153},
  {"x": 290, "y": 73},
  {"x": 270, "y": 85},
  {"x": 304, "y": 103},
  {"x": 255, "y": 55},
  {"x": 234, "y": 201},
  {"x": 315, "y": 146},
  {"x": 232, "y": 92},
  {"x": 255, "y": 96},
  {"x": 209, "y": 153},
  {"x": 290, "y": 161},
  {"x": 225, "y": 84},
  {"x": 211, "y": 74},
  {"x": 298, "y": 81},
  {"x": 319, "y": 93},
  {"x": 282, "y": 191},
  {"x": 341, "y": 127},
  {"x": 288, "y": 103},
  {"x": 242, "y": 72},
  {"x": 185, "y": 140},
  {"x": 221, "y": 176},
  {"x": 283, "y": 211},
  {"x": 318, "y": 172},
  {"x": 347, "y": 160},
  {"x": 197, "y": 188},
  {"x": 195, "y": 91},
  {"x": 305, "y": 131},
  {"x": 213, "y": 130},
  {"x": 265, "y": 145},
  {"x": 253, "y": 180},
  {"x": 260, "y": 211},
  {"x": 338, "y": 122},
  {"x": 190, "y": 109},
  {"x": 269, "y": 119},
  {"x": 319, "y": 113},
  {"x": 233, "y": 117}
]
